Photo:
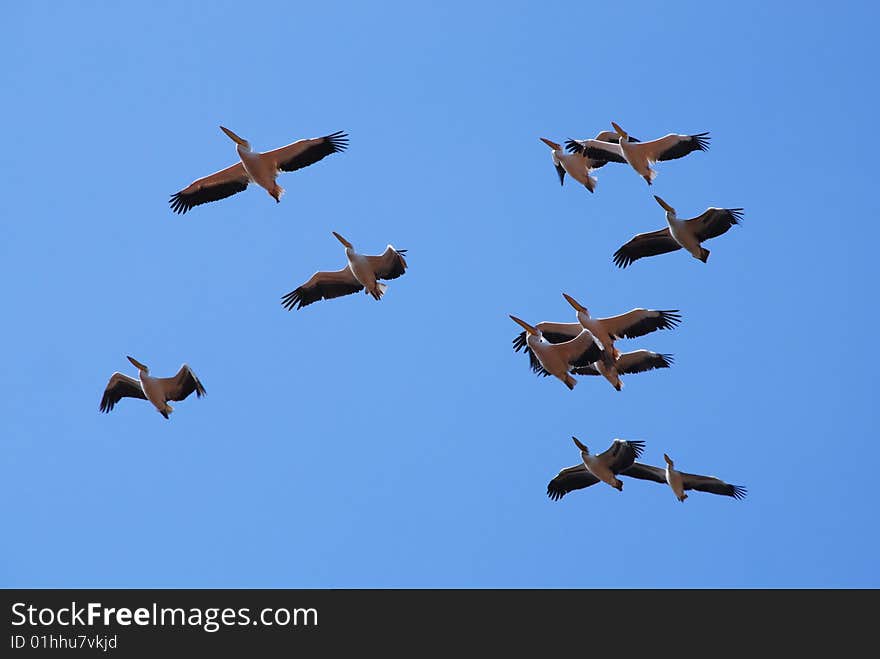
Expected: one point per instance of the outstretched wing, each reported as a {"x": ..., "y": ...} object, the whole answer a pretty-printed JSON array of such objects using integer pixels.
[
  {"x": 712, "y": 485},
  {"x": 322, "y": 286},
  {"x": 622, "y": 453},
  {"x": 390, "y": 264},
  {"x": 303, "y": 153},
  {"x": 181, "y": 385},
  {"x": 568, "y": 480},
  {"x": 639, "y": 322},
  {"x": 645, "y": 244},
  {"x": 714, "y": 222},
  {"x": 218, "y": 185},
  {"x": 118, "y": 387},
  {"x": 639, "y": 361},
  {"x": 672, "y": 146}
]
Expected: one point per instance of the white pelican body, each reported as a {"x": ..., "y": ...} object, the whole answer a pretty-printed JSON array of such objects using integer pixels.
[
  {"x": 576, "y": 165},
  {"x": 361, "y": 273},
  {"x": 636, "y": 361},
  {"x": 641, "y": 155},
  {"x": 674, "y": 479},
  {"x": 156, "y": 390},
  {"x": 260, "y": 168},
  {"x": 679, "y": 234},
  {"x": 605, "y": 467},
  {"x": 679, "y": 481},
  {"x": 558, "y": 358}
]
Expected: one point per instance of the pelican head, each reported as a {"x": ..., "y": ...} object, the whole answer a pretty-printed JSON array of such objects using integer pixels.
[
  {"x": 533, "y": 331},
  {"x": 138, "y": 365},
  {"x": 622, "y": 134},
  {"x": 553, "y": 145},
  {"x": 342, "y": 240},
  {"x": 668, "y": 460},
  {"x": 667, "y": 207},
  {"x": 583, "y": 448},
  {"x": 235, "y": 138},
  {"x": 577, "y": 305}
]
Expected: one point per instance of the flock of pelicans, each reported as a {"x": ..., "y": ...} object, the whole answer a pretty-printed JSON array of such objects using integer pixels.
[{"x": 584, "y": 347}]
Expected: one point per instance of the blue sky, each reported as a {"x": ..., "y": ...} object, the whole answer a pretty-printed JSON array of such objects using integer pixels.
[{"x": 403, "y": 443}]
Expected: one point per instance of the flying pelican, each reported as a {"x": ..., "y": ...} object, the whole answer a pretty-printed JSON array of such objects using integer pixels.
[
  {"x": 595, "y": 468},
  {"x": 680, "y": 481},
  {"x": 576, "y": 165},
  {"x": 687, "y": 234},
  {"x": 636, "y": 361},
  {"x": 361, "y": 272},
  {"x": 629, "y": 325},
  {"x": 640, "y": 155},
  {"x": 632, "y": 324},
  {"x": 156, "y": 390},
  {"x": 557, "y": 358},
  {"x": 261, "y": 168}
]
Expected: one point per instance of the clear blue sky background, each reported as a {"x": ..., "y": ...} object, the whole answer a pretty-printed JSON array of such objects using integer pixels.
[{"x": 403, "y": 443}]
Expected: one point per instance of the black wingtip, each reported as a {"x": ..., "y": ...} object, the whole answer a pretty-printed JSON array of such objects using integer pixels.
[
  {"x": 291, "y": 300},
  {"x": 339, "y": 140},
  {"x": 702, "y": 140},
  {"x": 621, "y": 259},
  {"x": 572, "y": 146},
  {"x": 638, "y": 445},
  {"x": 739, "y": 492}
]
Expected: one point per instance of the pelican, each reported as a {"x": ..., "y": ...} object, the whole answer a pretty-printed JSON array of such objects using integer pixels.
[
  {"x": 361, "y": 272},
  {"x": 557, "y": 358},
  {"x": 156, "y": 390},
  {"x": 640, "y": 155},
  {"x": 687, "y": 234},
  {"x": 680, "y": 481},
  {"x": 636, "y": 361},
  {"x": 576, "y": 165},
  {"x": 261, "y": 168},
  {"x": 632, "y": 324},
  {"x": 629, "y": 325},
  {"x": 595, "y": 468}
]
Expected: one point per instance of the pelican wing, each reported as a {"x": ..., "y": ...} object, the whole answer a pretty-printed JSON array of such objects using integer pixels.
[
  {"x": 639, "y": 361},
  {"x": 560, "y": 170},
  {"x": 390, "y": 264},
  {"x": 672, "y": 146},
  {"x": 596, "y": 150},
  {"x": 622, "y": 454},
  {"x": 569, "y": 479},
  {"x": 712, "y": 485},
  {"x": 303, "y": 153},
  {"x": 645, "y": 244},
  {"x": 645, "y": 472},
  {"x": 118, "y": 387},
  {"x": 714, "y": 222},
  {"x": 322, "y": 286},
  {"x": 182, "y": 385},
  {"x": 582, "y": 350},
  {"x": 218, "y": 185},
  {"x": 639, "y": 322},
  {"x": 589, "y": 369}
]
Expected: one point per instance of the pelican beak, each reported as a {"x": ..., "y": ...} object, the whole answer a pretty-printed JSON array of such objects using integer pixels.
[
  {"x": 664, "y": 204},
  {"x": 528, "y": 328},
  {"x": 137, "y": 364},
  {"x": 553, "y": 145},
  {"x": 668, "y": 459},
  {"x": 235, "y": 138},
  {"x": 619, "y": 131},
  {"x": 577, "y": 305},
  {"x": 579, "y": 445},
  {"x": 342, "y": 240}
]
